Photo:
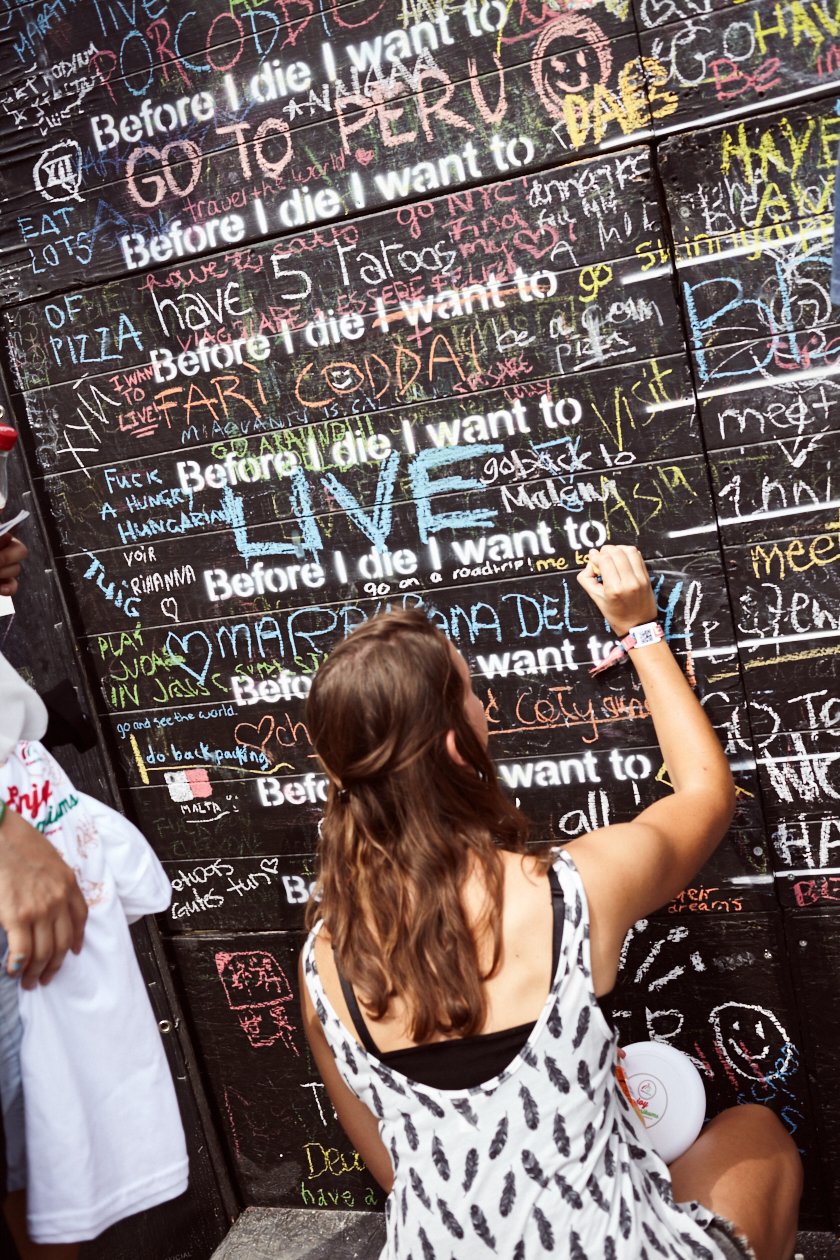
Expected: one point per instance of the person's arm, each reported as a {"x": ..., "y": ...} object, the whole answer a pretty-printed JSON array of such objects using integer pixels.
[
  {"x": 12, "y": 555},
  {"x": 41, "y": 908},
  {"x": 357, "y": 1121},
  {"x": 631, "y": 869}
]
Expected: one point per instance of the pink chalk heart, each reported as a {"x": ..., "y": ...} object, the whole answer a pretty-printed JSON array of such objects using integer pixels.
[
  {"x": 364, "y": 156},
  {"x": 538, "y": 243}
]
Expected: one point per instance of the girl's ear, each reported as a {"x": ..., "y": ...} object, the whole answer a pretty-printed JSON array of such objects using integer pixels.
[{"x": 452, "y": 748}]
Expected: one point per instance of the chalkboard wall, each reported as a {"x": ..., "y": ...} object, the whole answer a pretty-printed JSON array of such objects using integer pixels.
[{"x": 316, "y": 310}]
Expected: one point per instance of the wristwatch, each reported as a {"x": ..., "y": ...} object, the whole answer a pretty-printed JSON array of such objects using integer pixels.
[{"x": 637, "y": 636}]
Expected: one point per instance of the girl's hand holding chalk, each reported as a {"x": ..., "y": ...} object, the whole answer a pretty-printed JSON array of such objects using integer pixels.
[{"x": 616, "y": 580}]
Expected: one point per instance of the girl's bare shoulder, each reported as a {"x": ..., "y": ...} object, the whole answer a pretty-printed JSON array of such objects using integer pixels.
[
  {"x": 527, "y": 893},
  {"x": 525, "y": 871}
]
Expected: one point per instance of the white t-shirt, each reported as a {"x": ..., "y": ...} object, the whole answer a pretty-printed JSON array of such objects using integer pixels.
[
  {"x": 103, "y": 1130},
  {"x": 22, "y": 711}
]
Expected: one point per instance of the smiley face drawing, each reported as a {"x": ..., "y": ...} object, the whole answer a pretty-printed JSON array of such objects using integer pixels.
[
  {"x": 752, "y": 1040},
  {"x": 570, "y": 56},
  {"x": 572, "y": 72},
  {"x": 343, "y": 377}
]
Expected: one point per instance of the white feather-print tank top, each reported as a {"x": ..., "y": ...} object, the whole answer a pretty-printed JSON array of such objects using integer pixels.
[{"x": 545, "y": 1159}]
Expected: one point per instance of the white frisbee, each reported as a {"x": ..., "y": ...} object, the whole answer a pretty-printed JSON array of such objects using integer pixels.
[{"x": 668, "y": 1092}]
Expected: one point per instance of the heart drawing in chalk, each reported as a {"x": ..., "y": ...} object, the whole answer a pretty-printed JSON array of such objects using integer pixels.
[
  {"x": 364, "y": 156},
  {"x": 538, "y": 243},
  {"x": 251, "y": 736},
  {"x": 169, "y": 608},
  {"x": 180, "y": 648}
]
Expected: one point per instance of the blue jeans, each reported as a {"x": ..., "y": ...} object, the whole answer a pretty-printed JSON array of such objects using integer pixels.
[{"x": 11, "y": 1091}]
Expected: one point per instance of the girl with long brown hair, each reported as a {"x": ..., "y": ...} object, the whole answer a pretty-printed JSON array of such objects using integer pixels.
[{"x": 452, "y": 975}]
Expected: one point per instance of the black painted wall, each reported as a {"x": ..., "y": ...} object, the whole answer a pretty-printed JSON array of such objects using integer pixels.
[
  {"x": 314, "y": 310},
  {"x": 37, "y": 638}
]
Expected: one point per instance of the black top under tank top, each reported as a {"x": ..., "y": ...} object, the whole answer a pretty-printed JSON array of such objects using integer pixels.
[{"x": 463, "y": 1061}]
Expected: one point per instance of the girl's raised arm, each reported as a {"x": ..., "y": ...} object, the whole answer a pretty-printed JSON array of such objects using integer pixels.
[{"x": 631, "y": 869}]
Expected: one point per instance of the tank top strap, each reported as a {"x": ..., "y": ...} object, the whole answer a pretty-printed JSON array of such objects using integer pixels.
[
  {"x": 356, "y": 1014},
  {"x": 559, "y": 909}
]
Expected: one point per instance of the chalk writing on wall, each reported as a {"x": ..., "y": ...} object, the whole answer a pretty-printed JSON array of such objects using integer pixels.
[{"x": 313, "y": 310}]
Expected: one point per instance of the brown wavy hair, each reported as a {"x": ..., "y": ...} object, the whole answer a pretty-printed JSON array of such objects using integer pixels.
[{"x": 404, "y": 824}]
